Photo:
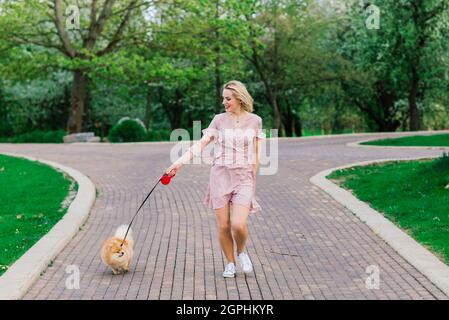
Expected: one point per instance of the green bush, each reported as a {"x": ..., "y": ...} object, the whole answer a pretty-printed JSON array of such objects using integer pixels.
[
  {"x": 6, "y": 129},
  {"x": 158, "y": 135},
  {"x": 37, "y": 136},
  {"x": 128, "y": 130},
  {"x": 444, "y": 159}
]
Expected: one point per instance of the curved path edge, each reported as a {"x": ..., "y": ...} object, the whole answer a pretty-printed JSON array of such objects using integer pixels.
[
  {"x": 358, "y": 144},
  {"x": 15, "y": 282},
  {"x": 417, "y": 255}
]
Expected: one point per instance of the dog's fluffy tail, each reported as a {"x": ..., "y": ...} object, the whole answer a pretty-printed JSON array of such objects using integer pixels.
[{"x": 121, "y": 231}]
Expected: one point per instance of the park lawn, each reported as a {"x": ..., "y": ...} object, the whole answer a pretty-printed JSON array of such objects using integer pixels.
[
  {"x": 411, "y": 194},
  {"x": 31, "y": 197},
  {"x": 437, "y": 140},
  {"x": 319, "y": 132}
]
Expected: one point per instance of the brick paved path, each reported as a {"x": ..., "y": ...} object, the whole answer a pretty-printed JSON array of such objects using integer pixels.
[{"x": 303, "y": 244}]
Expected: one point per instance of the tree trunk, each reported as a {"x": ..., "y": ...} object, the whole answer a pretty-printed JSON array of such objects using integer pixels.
[
  {"x": 387, "y": 100},
  {"x": 78, "y": 101},
  {"x": 337, "y": 124},
  {"x": 67, "y": 106},
  {"x": 382, "y": 124},
  {"x": 272, "y": 100},
  {"x": 148, "y": 119},
  {"x": 415, "y": 123},
  {"x": 178, "y": 107},
  {"x": 172, "y": 107},
  {"x": 389, "y": 126},
  {"x": 289, "y": 122},
  {"x": 298, "y": 124},
  {"x": 277, "y": 118},
  {"x": 271, "y": 92},
  {"x": 295, "y": 119}
]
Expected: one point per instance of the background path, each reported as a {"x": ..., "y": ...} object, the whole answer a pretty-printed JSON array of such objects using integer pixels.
[{"x": 304, "y": 245}]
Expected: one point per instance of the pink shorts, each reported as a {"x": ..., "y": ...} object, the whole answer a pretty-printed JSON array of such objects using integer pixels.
[{"x": 235, "y": 185}]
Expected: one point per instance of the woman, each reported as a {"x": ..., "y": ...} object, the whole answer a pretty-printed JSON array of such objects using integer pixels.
[{"x": 237, "y": 134}]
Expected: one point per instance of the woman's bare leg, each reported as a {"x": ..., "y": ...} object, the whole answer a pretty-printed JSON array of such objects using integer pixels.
[
  {"x": 224, "y": 232},
  {"x": 239, "y": 218}
]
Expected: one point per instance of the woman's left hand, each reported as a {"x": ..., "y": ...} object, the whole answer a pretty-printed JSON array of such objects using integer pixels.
[{"x": 173, "y": 169}]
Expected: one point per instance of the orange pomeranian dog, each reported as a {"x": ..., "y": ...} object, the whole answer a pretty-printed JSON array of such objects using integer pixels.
[{"x": 116, "y": 256}]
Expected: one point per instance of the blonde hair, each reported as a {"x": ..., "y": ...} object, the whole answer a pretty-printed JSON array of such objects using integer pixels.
[{"x": 240, "y": 93}]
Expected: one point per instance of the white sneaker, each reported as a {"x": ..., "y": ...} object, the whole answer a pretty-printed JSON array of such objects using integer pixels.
[
  {"x": 245, "y": 262},
  {"x": 229, "y": 271}
]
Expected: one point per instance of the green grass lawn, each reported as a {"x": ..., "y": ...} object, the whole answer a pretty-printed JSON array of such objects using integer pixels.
[
  {"x": 319, "y": 132},
  {"x": 411, "y": 194},
  {"x": 437, "y": 140},
  {"x": 31, "y": 196}
]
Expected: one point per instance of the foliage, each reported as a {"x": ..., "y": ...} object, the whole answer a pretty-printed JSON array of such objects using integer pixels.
[
  {"x": 400, "y": 66},
  {"x": 40, "y": 104},
  {"x": 158, "y": 135},
  {"x": 309, "y": 66},
  {"x": 37, "y": 137},
  {"x": 128, "y": 130},
  {"x": 444, "y": 160}
]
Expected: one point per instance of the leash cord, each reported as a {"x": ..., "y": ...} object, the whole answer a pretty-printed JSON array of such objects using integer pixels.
[{"x": 138, "y": 211}]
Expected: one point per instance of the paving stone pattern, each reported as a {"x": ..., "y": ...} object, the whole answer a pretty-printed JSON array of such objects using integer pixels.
[{"x": 304, "y": 245}]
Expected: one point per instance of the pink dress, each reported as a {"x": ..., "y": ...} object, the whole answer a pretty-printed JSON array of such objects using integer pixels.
[{"x": 231, "y": 175}]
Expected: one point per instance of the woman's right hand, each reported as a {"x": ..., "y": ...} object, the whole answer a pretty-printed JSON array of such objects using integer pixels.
[{"x": 173, "y": 169}]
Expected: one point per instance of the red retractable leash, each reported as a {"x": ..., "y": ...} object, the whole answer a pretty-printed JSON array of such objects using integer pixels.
[{"x": 165, "y": 179}]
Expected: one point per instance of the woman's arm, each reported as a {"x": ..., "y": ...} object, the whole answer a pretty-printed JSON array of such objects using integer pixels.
[
  {"x": 260, "y": 135},
  {"x": 258, "y": 148},
  {"x": 196, "y": 149}
]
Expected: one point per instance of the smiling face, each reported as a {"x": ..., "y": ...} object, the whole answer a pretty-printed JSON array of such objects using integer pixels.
[{"x": 230, "y": 102}]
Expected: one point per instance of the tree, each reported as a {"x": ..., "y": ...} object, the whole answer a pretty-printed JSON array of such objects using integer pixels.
[
  {"x": 397, "y": 63},
  {"x": 278, "y": 38},
  {"x": 421, "y": 22},
  {"x": 188, "y": 39},
  {"x": 79, "y": 35}
]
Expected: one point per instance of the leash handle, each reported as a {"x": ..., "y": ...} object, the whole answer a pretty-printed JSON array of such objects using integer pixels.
[{"x": 165, "y": 179}]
